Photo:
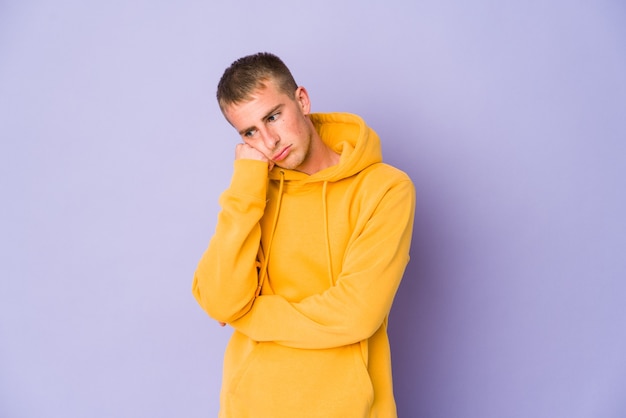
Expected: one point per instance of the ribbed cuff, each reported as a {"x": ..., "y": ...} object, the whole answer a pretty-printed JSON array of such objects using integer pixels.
[{"x": 250, "y": 178}]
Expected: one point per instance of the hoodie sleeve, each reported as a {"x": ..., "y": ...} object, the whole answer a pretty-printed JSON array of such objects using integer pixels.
[
  {"x": 356, "y": 306},
  {"x": 226, "y": 278}
]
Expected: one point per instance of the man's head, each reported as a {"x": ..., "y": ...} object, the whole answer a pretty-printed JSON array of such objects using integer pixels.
[
  {"x": 251, "y": 73},
  {"x": 260, "y": 99}
]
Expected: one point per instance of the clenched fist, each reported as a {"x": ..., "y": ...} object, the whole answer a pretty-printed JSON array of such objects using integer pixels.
[{"x": 246, "y": 152}]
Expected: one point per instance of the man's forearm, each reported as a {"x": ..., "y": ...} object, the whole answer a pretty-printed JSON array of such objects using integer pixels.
[{"x": 226, "y": 278}]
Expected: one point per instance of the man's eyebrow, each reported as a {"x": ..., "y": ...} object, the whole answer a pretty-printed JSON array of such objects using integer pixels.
[{"x": 267, "y": 115}]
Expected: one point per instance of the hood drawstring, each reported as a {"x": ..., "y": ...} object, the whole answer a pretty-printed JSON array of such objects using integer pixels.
[
  {"x": 327, "y": 233},
  {"x": 264, "y": 263},
  {"x": 263, "y": 272}
]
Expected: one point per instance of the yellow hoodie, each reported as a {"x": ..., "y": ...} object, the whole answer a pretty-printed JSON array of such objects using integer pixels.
[{"x": 305, "y": 269}]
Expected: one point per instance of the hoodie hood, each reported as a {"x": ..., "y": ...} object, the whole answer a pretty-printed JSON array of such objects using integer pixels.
[{"x": 346, "y": 134}]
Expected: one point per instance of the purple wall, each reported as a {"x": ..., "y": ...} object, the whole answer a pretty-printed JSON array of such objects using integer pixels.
[{"x": 510, "y": 120}]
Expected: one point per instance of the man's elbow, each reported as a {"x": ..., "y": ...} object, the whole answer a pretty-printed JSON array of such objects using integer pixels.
[
  {"x": 220, "y": 306},
  {"x": 361, "y": 328}
]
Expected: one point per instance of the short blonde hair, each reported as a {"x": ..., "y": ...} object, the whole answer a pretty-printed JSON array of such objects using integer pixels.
[{"x": 248, "y": 74}]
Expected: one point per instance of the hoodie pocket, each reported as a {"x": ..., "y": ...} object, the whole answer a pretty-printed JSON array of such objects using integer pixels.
[{"x": 277, "y": 381}]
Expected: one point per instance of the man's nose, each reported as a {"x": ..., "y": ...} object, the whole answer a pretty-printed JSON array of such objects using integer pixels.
[{"x": 269, "y": 138}]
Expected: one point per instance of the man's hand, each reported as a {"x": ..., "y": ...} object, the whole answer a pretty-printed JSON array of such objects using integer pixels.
[{"x": 246, "y": 152}]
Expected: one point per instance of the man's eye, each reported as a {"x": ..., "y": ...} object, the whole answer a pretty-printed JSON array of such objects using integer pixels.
[
  {"x": 248, "y": 134},
  {"x": 273, "y": 117}
]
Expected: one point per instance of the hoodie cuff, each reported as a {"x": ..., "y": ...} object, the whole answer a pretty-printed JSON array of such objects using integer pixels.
[{"x": 250, "y": 178}]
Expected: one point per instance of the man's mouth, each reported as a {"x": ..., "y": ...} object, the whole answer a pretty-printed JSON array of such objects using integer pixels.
[{"x": 282, "y": 154}]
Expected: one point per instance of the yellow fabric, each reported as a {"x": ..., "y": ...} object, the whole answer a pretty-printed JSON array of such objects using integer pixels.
[{"x": 314, "y": 342}]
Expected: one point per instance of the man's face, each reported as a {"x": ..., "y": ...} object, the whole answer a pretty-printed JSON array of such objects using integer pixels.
[{"x": 276, "y": 125}]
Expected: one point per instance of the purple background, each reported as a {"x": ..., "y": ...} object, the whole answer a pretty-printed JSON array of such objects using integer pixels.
[{"x": 510, "y": 118}]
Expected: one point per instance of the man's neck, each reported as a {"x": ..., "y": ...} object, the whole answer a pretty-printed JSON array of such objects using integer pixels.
[{"x": 322, "y": 156}]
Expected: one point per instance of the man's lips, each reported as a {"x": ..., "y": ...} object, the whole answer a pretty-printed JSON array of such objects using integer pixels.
[{"x": 282, "y": 154}]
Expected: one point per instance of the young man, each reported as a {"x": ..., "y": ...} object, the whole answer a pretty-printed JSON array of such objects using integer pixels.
[{"x": 308, "y": 252}]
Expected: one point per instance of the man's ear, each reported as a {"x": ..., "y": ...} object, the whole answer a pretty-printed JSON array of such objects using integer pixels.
[{"x": 303, "y": 100}]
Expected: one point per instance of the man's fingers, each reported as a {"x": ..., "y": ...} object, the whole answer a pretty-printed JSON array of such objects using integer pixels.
[{"x": 246, "y": 152}]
